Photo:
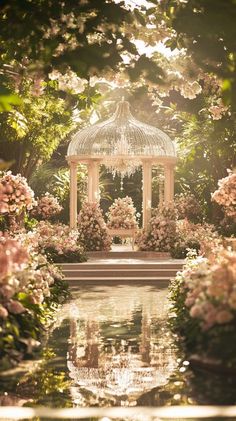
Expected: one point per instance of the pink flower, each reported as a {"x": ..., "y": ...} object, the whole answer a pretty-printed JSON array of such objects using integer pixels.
[
  {"x": 224, "y": 316},
  {"x": 7, "y": 291},
  {"x": 3, "y": 312},
  {"x": 196, "y": 311},
  {"x": 15, "y": 307}
]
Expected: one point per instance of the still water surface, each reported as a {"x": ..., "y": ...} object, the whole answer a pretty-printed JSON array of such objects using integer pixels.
[{"x": 111, "y": 346}]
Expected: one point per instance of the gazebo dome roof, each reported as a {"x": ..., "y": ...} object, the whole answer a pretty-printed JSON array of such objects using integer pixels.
[{"x": 121, "y": 135}]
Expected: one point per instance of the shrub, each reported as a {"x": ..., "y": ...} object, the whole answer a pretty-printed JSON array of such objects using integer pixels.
[
  {"x": 59, "y": 243},
  {"x": 47, "y": 207},
  {"x": 226, "y": 194},
  {"x": 204, "y": 306},
  {"x": 188, "y": 206},
  {"x": 29, "y": 290},
  {"x": 93, "y": 232},
  {"x": 161, "y": 232},
  {"x": 200, "y": 237},
  {"x": 122, "y": 214}
]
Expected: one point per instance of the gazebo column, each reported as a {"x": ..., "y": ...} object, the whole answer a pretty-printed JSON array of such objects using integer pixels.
[
  {"x": 169, "y": 183},
  {"x": 90, "y": 181},
  {"x": 147, "y": 192},
  {"x": 73, "y": 194},
  {"x": 93, "y": 181}
]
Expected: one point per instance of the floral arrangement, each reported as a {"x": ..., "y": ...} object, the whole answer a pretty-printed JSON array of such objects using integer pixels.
[
  {"x": 59, "y": 243},
  {"x": 47, "y": 207},
  {"x": 204, "y": 305},
  {"x": 122, "y": 214},
  {"x": 187, "y": 206},
  {"x": 161, "y": 232},
  {"x": 93, "y": 232},
  {"x": 200, "y": 237},
  {"x": 226, "y": 194},
  {"x": 28, "y": 287},
  {"x": 16, "y": 195}
]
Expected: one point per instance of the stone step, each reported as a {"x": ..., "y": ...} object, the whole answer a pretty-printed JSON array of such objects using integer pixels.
[
  {"x": 120, "y": 279},
  {"x": 132, "y": 254},
  {"x": 120, "y": 266},
  {"x": 107, "y": 273},
  {"x": 122, "y": 269}
]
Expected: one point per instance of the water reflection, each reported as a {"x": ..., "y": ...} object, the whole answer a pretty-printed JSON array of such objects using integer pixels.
[
  {"x": 119, "y": 347},
  {"x": 110, "y": 346}
]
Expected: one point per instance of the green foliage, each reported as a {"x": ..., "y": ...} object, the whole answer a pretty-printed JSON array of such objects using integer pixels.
[
  {"x": 207, "y": 30},
  {"x": 68, "y": 256},
  {"x": 20, "y": 333},
  {"x": 88, "y": 36},
  {"x": 206, "y": 148},
  {"x": 181, "y": 249},
  {"x": 180, "y": 320},
  {"x": 30, "y": 134},
  {"x": 55, "y": 179},
  {"x": 46, "y": 383}
]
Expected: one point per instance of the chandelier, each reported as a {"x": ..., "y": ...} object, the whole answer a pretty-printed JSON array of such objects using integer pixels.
[
  {"x": 122, "y": 162},
  {"x": 122, "y": 166}
]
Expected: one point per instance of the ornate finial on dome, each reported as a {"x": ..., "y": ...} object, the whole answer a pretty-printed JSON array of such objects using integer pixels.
[{"x": 122, "y": 110}]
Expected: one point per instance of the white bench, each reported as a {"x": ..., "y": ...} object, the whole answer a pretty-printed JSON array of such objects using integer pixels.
[{"x": 124, "y": 233}]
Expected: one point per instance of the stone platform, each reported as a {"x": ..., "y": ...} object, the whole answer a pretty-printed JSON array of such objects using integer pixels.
[{"x": 118, "y": 265}]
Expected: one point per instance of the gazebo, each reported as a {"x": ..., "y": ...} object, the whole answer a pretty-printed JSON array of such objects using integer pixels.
[{"x": 122, "y": 144}]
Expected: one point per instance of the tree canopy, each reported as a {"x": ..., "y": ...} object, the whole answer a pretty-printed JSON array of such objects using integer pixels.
[
  {"x": 207, "y": 30},
  {"x": 64, "y": 63}
]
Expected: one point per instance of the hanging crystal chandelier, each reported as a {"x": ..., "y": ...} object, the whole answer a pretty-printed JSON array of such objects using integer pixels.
[
  {"x": 121, "y": 166},
  {"x": 122, "y": 163}
]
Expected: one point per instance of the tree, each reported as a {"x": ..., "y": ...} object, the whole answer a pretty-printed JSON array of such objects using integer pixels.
[
  {"x": 206, "y": 148},
  {"x": 207, "y": 30},
  {"x": 30, "y": 134},
  {"x": 87, "y": 37}
]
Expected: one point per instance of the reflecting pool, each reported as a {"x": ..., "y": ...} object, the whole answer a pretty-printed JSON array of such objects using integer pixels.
[
  {"x": 119, "y": 346},
  {"x": 111, "y": 346}
]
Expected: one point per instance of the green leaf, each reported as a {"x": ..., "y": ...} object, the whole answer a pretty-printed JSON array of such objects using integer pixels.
[
  {"x": 140, "y": 17},
  {"x": 8, "y": 101}
]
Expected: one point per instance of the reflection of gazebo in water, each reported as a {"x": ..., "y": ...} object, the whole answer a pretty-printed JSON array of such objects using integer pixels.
[
  {"x": 122, "y": 144},
  {"x": 119, "y": 346}
]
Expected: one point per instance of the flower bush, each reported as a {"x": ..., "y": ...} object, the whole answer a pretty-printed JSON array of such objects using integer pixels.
[
  {"x": 161, "y": 232},
  {"x": 59, "y": 243},
  {"x": 47, "y": 207},
  {"x": 187, "y": 206},
  {"x": 93, "y": 232},
  {"x": 122, "y": 214},
  {"x": 226, "y": 194},
  {"x": 200, "y": 237},
  {"x": 204, "y": 306},
  {"x": 29, "y": 287},
  {"x": 16, "y": 195}
]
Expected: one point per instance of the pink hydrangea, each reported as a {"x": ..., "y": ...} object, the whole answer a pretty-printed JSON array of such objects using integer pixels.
[
  {"x": 12, "y": 256},
  {"x": 58, "y": 237},
  {"x": 15, "y": 194},
  {"x": 161, "y": 232},
  {"x": 225, "y": 195},
  {"x": 122, "y": 214},
  {"x": 47, "y": 206},
  {"x": 187, "y": 206},
  {"x": 211, "y": 289},
  {"x": 93, "y": 232}
]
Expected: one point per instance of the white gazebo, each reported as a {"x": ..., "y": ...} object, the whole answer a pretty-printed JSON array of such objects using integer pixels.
[{"x": 122, "y": 144}]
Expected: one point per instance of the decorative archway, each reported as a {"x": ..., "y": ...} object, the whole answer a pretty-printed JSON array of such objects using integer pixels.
[{"x": 122, "y": 144}]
